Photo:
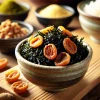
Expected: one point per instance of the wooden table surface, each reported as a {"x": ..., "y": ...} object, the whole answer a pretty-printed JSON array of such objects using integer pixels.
[{"x": 91, "y": 78}]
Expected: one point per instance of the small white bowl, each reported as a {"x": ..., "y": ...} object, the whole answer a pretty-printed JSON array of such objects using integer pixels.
[{"x": 89, "y": 23}]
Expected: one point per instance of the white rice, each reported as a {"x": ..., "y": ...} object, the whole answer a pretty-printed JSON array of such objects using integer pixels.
[{"x": 93, "y": 8}]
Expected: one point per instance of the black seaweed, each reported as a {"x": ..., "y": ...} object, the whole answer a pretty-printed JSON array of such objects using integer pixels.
[{"x": 56, "y": 37}]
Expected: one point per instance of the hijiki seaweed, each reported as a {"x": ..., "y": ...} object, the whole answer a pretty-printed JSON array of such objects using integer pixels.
[{"x": 55, "y": 37}]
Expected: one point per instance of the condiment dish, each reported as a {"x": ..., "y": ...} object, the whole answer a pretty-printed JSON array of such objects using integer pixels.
[
  {"x": 55, "y": 21},
  {"x": 89, "y": 23},
  {"x": 53, "y": 78},
  {"x": 8, "y": 45},
  {"x": 18, "y": 16}
]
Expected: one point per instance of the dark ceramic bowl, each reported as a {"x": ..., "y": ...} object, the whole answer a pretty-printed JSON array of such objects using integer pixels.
[
  {"x": 8, "y": 45},
  {"x": 21, "y": 16},
  {"x": 55, "y": 21}
]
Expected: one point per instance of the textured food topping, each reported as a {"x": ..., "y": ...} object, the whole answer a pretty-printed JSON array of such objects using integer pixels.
[
  {"x": 9, "y": 29},
  {"x": 11, "y": 7},
  {"x": 58, "y": 48},
  {"x": 55, "y": 11}
]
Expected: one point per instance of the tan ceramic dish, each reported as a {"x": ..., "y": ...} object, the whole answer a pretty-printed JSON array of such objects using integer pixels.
[{"x": 53, "y": 78}]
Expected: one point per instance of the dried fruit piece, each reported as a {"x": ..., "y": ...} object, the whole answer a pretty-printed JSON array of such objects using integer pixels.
[
  {"x": 30, "y": 38},
  {"x": 62, "y": 59},
  {"x": 47, "y": 29},
  {"x": 65, "y": 31},
  {"x": 12, "y": 75},
  {"x": 50, "y": 51},
  {"x": 3, "y": 63},
  {"x": 19, "y": 86},
  {"x": 36, "y": 41},
  {"x": 69, "y": 46}
]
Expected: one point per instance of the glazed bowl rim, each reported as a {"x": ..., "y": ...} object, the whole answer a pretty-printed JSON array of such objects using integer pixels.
[
  {"x": 80, "y": 10},
  {"x": 24, "y": 4},
  {"x": 18, "y": 56},
  {"x": 71, "y": 9},
  {"x": 29, "y": 27}
]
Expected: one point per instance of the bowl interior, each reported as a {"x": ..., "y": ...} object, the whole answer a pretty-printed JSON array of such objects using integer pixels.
[
  {"x": 64, "y": 6},
  {"x": 53, "y": 67},
  {"x": 29, "y": 27},
  {"x": 80, "y": 8},
  {"x": 26, "y": 5}
]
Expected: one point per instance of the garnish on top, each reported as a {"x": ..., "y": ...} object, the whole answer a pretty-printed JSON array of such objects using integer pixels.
[{"x": 54, "y": 46}]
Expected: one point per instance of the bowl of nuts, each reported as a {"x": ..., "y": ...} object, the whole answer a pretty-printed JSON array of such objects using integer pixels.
[
  {"x": 54, "y": 58},
  {"x": 12, "y": 32}
]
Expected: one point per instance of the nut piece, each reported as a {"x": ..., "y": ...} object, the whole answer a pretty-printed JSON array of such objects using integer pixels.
[
  {"x": 65, "y": 31},
  {"x": 9, "y": 29},
  {"x": 50, "y": 51},
  {"x": 19, "y": 86},
  {"x": 62, "y": 59},
  {"x": 69, "y": 46},
  {"x": 36, "y": 41}
]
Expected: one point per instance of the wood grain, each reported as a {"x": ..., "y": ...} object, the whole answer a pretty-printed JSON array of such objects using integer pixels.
[{"x": 90, "y": 80}]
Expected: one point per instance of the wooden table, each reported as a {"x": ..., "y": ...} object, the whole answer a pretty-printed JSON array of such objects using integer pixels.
[{"x": 76, "y": 92}]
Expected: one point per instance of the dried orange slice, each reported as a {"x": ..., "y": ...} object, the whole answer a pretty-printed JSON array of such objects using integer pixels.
[
  {"x": 62, "y": 59},
  {"x": 50, "y": 51},
  {"x": 69, "y": 46},
  {"x": 30, "y": 38},
  {"x": 19, "y": 86},
  {"x": 12, "y": 75},
  {"x": 65, "y": 31},
  {"x": 36, "y": 41},
  {"x": 3, "y": 63},
  {"x": 46, "y": 30}
]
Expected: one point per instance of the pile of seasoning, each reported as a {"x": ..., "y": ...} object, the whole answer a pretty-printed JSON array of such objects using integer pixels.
[{"x": 11, "y": 7}]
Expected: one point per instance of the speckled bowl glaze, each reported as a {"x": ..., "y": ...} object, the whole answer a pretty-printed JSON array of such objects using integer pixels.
[
  {"x": 53, "y": 78},
  {"x": 55, "y": 21},
  {"x": 8, "y": 45},
  {"x": 89, "y": 23}
]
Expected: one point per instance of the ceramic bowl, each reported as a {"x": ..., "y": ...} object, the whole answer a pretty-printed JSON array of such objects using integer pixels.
[
  {"x": 55, "y": 78},
  {"x": 55, "y": 21},
  {"x": 21, "y": 16},
  {"x": 89, "y": 23},
  {"x": 8, "y": 45}
]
